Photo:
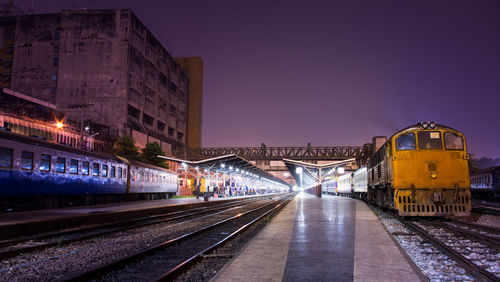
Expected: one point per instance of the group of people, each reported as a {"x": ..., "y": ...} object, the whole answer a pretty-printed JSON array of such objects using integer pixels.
[{"x": 217, "y": 192}]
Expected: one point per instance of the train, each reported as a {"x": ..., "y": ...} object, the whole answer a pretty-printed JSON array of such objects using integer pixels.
[
  {"x": 485, "y": 184},
  {"x": 421, "y": 170},
  {"x": 38, "y": 174}
]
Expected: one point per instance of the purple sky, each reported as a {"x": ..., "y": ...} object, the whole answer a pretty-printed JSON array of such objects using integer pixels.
[{"x": 333, "y": 72}]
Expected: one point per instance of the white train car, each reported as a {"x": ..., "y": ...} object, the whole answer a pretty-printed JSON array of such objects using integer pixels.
[
  {"x": 360, "y": 183},
  {"x": 344, "y": 184},
  {"x": 329, "y": 186}
]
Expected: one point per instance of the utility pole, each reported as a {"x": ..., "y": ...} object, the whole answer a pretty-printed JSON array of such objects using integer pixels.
[{"x": 80, "y": 106}]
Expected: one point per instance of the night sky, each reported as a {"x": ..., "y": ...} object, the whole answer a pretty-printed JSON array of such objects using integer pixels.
[{"x": 333, "y": 72}]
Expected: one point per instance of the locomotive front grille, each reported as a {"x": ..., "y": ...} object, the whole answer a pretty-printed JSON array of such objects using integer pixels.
[{"x": 425, "y": 204}]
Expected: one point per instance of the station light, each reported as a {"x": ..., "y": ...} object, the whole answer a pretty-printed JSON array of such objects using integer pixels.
[
  {"x": 237, "y": 170},
  {"x": 340, "y": 170},
  {"x": 184, "y": 165},
  {"x": 286, "y": 174},
  {"x": 433, "y": 125},
  {"x": 87, "y": 128},
  {"x": 197, "y": 168},
  {"x": 230, "y": 168},
  {"x": 425, "y": 125},
  {"x": 298, "y": 169},
  {"x": 223, "y": 165}
]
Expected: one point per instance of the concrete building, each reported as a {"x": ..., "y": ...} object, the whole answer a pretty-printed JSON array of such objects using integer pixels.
[
  {"x": 194, "y": 69},
  {"x": 104, "y": 63}
]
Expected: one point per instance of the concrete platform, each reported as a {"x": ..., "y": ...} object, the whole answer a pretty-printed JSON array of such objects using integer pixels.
[{"x": 321, "y": 239}]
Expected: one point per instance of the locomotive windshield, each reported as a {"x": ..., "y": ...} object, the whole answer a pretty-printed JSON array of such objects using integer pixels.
[
  {"x": 406, "y": 142},
  {"x": 429, "y": 140},
  {"x": 453, "y": 142}
]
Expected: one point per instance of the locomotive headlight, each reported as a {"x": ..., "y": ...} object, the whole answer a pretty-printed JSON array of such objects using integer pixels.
[
  {"x": 433, "y": 125},
  {"x": 434, "y": 175},
  {"x": 425, "y": 125}
]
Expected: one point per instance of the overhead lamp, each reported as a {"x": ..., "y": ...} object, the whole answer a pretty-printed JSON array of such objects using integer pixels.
[
  {"x": 222, "y": 165},
  {"x": 197, "y": 168},
  {"x": 298, "y": 169},
  {"x": 184, "y": 165},
  {"x": 340, "y": 170},
  {"x": 230, "y": 168}
]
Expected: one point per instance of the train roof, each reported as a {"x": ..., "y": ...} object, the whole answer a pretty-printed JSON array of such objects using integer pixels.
[
  {"x": 39, "y": 142},
  {"x": 419, "y": 126},
  {"x": 485, "y": 170},
  {"x": 142, "y": 164}
]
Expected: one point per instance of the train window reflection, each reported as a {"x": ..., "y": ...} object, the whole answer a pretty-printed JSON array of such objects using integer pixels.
[
  {"x": 44, "y": 162},
  {"x": 27, "y": 160},
  {"x": 120, "y": 173},
  {"x": 85, "y": 168},
  {"x": 104, "y": 172},
  {"x": 406, "y": 142},
  {"x": 5, "y": 157},
  {"x": 112, "y": 172},
  {"x": 453, "y": 142},
  {"x": 429, "y": 140},
  {"x": 60, "y": 164},
  {"x": 95, "y": 169},
  {"x": 73, "y": 166}
]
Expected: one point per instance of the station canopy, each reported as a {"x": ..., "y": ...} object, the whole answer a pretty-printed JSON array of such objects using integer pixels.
[
  {"x": 313, "y": 173},
  {"x": 229, "y": 164}
]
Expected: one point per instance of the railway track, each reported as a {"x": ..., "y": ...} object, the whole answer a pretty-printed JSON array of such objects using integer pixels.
[
  {"x": 485, "y": 209},
  {"x": 10, "y": 248},
  {"x": 167, "y": 260},
  {"x": 477, "y": 253}
]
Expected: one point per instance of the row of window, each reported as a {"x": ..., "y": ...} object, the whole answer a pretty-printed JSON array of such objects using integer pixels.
[
  {"x": 482, "y": 180},
  {"x": 152, "y": 177},
  {"x": 429, "y": 140},
  {"x": 45, "y": 164}
]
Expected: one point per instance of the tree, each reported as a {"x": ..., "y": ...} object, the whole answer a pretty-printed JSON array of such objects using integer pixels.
[
  {"x": 150, "y": 154},
  {"x": 125, "y": 147}
]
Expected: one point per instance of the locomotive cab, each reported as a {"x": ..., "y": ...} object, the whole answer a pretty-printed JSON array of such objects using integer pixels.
[{"x": 430, "y": 173}]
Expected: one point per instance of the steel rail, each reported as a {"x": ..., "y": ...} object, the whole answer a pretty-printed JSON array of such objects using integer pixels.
[
  {"x": 101, "y": 270},
  {"x": 485, "y": 210},
  {"x": 466, "y": 233},
  {"x": 456, "y": 256},
  {"x": 478, "y": 226},
  {"x": 115, "y": 227},
  {"x": 175, "y": 271}
]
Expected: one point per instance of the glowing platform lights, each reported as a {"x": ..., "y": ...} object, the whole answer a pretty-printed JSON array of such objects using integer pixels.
[{"x": 231, "y": 173}]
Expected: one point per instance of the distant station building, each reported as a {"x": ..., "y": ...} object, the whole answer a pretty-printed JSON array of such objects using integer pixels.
[{"x": 108, "y": 65}]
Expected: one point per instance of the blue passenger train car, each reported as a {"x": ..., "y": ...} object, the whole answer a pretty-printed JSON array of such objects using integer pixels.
[{"x": 37, "y": 173}]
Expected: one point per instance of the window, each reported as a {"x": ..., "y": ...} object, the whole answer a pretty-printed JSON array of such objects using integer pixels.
[
  {"x": 5, "y": 157},
  {"x": 95, "y": 169},
  {"x": 27, "y": 160},
  {"x": 120, "y": 172},
  {"x": 54, "y": 77},
  {"x": 141, "y": 176},
  {"x": 104, "y": 172},
  {"x": 85, "y": 168},
  {"x": 453, "y": 142},
  {"x": 56, "y": 61},
  {"x": 132, "y": 175},
  {"x": 147, "y": 177},
  {"x": 45, "y": 162},
  {"x": 60, "y": 165},
  {"x": 429, "y": 140},
  {"x": 406, "y": 142},
  {"x": 73, "y": 166},
  {"x": 112, "y": 172}
]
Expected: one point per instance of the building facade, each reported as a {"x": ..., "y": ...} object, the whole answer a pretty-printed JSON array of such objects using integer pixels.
[
  {"x": 104, "y": 61},
  {"x": 194, "y": 69}
]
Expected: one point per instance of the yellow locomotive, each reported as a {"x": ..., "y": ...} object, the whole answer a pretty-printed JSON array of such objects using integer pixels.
[{"x": 422, "y": 170}]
